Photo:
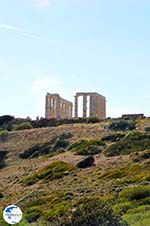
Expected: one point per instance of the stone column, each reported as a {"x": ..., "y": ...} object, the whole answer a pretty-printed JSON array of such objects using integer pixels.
[
  {"x": 46, "y": 106},
  {"x": 58, "y": 108},
  {"x": 71, "y": 108},
  {"x": 66, "y": 110},
  {"x": 84, "y": 106},
  {"x": 49, "y": 107},
  {"x": 92, "y": 105},
  {"x": 76, "y": 106}
]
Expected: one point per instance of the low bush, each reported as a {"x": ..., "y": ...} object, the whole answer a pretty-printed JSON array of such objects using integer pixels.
[
  {"x": 22, "y": 126},
  {"x": 93, "y": 120},
  {"x": 66, "y": 135},
  {"x": 56, "y": 144},
  {"x": 147, "y": 129},
  {"x": 32, "y": 214},
  {"x": 89, "y": 212},
  {"x": 3, "y": 155},
  {"x": 3, "y": 135},
  {"x": 61, "y": 143},
  {"x": 131, "y": 174},
  {"x": 135, "y": 193},
  {"x": 113, "y": 137},
  {"x": 5, "y": 119},
  {"x": 122, "y": 208},
  {"x": 139, "y": 218},
  {"x": 140, "y": 156},
  {"x": 122, "y": 125},
  {"x": 87, "y": 162},
  {"x": 133, "y": 142},
  {"x": 137, "y": 136},
  {"x": 139, "y": 209},
  {"x": 94, "y": 212},
  {"x": 77, "y": 144},
  {"x": 114, "y": 174},
  {"x": 54, "y": 170},
  {"x": 48, "y": 207},
  {"x": 85, "y": 147},
  {"x": 36, "y": 151},
  {"x": 57, "y": 211}
]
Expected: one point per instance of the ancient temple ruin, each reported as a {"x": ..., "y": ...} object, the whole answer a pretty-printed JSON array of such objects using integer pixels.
[
  {"x": 59, "y": 108},
  {"x": 97, "y": 105}
]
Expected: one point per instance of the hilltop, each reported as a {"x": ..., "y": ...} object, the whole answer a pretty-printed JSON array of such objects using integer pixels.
[{"x": 40, "y": 171}]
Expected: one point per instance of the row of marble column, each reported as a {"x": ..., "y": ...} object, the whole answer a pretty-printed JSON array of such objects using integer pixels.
[
  {"x": 56, "y": 107},
  {"x": 97, "y": 106}
]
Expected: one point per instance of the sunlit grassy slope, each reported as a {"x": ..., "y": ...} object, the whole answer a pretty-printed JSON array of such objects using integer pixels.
[{"x": 49, "y": 185}]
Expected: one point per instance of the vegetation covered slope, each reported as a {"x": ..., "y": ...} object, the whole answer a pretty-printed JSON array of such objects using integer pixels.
[{"x": 40, "y": 173}]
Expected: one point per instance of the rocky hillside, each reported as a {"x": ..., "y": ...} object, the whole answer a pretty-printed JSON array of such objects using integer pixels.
[{"x": 69, "y": 175}]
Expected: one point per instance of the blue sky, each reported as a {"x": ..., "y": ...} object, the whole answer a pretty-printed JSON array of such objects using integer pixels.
[{"x": 67, "y": 46}]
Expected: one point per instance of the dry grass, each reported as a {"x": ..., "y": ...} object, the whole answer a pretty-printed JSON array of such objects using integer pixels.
[{"x": 80, "y": 182}]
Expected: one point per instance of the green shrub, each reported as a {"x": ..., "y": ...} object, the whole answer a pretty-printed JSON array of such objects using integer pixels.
[
  {"x": 3, "y": 135},
  {"x": 77, "y": 144},
  {"x": 147, "y": 129},
  {"x": 5, "y": 119},
  {"x": 138, "y": 219},
  {"x": 57, "y": 210},
  {"x": 89, "y": 212},
  {"x": 133, "y": 142},
  {"x": 61, "y": 143},
  {"x": 36, "y": 151},
  {"x": 3, "y": 155},
  {"x": 122, "y": 125},
  {"x": 54, "y": 170},
  {"x": 48, "y": 207},
  {"x": 23, "y": 126},
  {"x": 137, "y": 136},
  {"x": 87, "y": 162},
  {"x": 122, "y": 208},
  {"x": 52, "y": 147},
  {"x": 32, "y": 214},
  {"x": 66, "y": 135},
  {"x": 94, "y": 212},
  {"x": 135, "y": 193},
  {"x": 140, "y": 156},
  {"x": 93, "y": 120},
  {"x": 118, "y": 149},
  {"x": 85, "y": 147},
  {"x": 130, "y": 174},
  {"x": 139, "y": 209},
  {"x": 114, "y": 174},
  {"x": 113, "y": 137}
]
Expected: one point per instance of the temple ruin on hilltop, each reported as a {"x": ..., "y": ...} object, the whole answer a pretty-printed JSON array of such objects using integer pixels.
[
  {"x": 97, "y": 105},
  {"x": 59, "y": 108}
]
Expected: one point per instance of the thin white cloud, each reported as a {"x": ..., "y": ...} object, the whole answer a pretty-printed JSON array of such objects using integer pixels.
[
  {"x": 42, "y": 3},
  {"x": 20, "y": 31},
  {"x": 46, "y": 84}
]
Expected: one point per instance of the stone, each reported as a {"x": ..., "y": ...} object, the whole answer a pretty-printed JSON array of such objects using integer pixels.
[
  {"x": 57, "y": 107},
  {"x": 97, "y": 105}
]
